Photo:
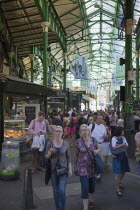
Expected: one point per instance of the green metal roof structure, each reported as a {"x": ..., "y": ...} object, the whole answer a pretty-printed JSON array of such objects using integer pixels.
[{"x": 93, "y": 28}]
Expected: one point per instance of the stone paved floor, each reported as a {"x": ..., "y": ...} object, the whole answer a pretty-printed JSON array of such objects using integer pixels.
[{"x": 11, "y": 192}]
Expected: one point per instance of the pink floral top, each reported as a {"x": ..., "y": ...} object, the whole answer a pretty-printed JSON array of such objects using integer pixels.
[{"x": 84, "y": 165}]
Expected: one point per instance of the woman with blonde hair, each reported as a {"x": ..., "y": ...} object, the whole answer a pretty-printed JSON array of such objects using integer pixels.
[
  {"x": 84, "y": 168},
  {"x": 58, "y": 152}
]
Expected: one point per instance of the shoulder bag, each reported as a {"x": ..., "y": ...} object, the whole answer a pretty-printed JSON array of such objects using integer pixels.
[
  {"x": 29, "y": 140},
  {"x": 117, "y": 151},
  {"x": 96, "y": 160},
  {"x": 61, "y": 170},
  {"x": 99, "y": 161}
]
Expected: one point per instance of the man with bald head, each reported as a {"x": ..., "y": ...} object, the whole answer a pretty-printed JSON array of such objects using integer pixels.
[{"x": 137, "y": 153}]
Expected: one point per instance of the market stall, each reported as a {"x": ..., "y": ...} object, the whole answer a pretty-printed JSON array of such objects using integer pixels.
[
  {"x": 58, "y": 101},
  {"x": 20, "y": 101}
]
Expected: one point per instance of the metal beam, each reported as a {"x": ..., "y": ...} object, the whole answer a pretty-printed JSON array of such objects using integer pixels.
[
  {"x": 19, "y": 8},
  {"x": 54, "y": 24},
  {"x": 21, "y": 17},
  {"x": 15, "y": 26}
]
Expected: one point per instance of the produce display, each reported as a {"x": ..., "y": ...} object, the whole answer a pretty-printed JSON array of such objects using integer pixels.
[{"x": 14, "y": 133}]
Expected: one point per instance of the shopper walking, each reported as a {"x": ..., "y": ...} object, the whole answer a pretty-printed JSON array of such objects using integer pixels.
[
  {"x": 56, "y": 120},
  {"x": 98, "y": 131},
  {"x": 73, "y": 126},
  {"x": 83, "y": 165},
  {"x": 66, "y": 127},
  {"x": 120, "y": 162},
  {"x": 105, "y": 144},
  {"x": 37, "y": 128},
  {"x": 81, "y": 121},
  {"x": 121, "y": 120},
  {"x": 137, "y": 152},
  {"x": 58, "y": 152},
  {"x": 113, "y": 120}
]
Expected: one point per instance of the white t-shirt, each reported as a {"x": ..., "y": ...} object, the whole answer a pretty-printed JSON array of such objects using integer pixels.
[
  {"x": 98, "y": 132},
  {"x": 121, "y": 122},
  {"x": 114, "y": 141},
  {"x": 70, "y": 113},
  {"x": 86, "y": 116}
]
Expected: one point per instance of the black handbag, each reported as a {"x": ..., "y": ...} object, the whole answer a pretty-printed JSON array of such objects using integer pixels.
[
  {"x": 61, "y": 171},
  {"x": 99, "y": 164},
  {"x": 48, "y": 172}
]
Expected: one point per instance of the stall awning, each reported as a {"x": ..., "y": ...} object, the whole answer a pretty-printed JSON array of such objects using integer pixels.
[{"x": 16, "y": 86}]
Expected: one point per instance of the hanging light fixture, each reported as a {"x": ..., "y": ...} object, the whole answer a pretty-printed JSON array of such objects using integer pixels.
[
  {"x": 98, "y": 4},
  {"x": 100, "y": 39}
]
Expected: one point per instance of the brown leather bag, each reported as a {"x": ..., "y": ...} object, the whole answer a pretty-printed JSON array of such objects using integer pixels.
[{"x": 29, "y": 140}]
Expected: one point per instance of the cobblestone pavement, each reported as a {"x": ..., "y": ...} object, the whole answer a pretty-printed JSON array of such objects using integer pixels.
[{"x": 11, "y": 192}]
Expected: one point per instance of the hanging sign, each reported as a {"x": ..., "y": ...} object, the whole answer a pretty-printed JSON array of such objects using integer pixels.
[
  {"x": 116, "y": 81},
  {"x": 84, "y": 83},
  {"x": 120, "y": 70},
  {"x": 80, "y": 67},
  {"x": 55, "y": 100}
]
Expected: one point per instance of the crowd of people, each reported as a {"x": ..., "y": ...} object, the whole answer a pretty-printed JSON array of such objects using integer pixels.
[{"x": 91, "y": 133}]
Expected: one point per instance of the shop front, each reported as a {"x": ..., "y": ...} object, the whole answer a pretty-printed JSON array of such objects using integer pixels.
[
  {"x": 20, "y": 102},
  {"x": 57, "y": 101}
]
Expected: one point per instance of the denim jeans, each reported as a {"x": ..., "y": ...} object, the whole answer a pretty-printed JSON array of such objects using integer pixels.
[
  {"x": 87, "y": 186},
  {"x": 59, "y": 187}
]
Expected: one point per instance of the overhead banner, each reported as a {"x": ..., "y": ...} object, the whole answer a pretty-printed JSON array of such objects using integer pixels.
[
  {"x": 120, "y": 70},
  {"x": 84, "y": 83},
  {"x": 116, "y": 81},
  {"x": 80, "y": 67}
]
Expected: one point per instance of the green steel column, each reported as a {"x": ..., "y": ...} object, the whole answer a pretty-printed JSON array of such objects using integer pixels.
[
  {"x": 65, "y": 66},
  {"x": 128, "y": 50},
  {"x": 10, "y": 62},
  {"x": 45, "y": 25},
  {"x": 1, "y": 115},
  {"x": 129, "y": 119},
  {"x": 137, "y": 72},
  {"x": 50, "y": 77},
  {"x": 32, "y": 66}
]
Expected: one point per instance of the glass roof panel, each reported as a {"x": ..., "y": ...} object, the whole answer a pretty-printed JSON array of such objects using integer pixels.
[{"x": 104, "y": 36}]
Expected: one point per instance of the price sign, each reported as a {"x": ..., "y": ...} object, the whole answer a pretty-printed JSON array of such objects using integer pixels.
[
  {"x": 30, "y": 113},
  {"x": 56, "y": 100}
]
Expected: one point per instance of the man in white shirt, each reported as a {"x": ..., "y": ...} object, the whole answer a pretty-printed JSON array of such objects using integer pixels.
[{"x": 99, "y": 130}]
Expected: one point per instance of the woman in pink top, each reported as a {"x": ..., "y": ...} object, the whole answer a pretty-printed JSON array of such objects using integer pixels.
[{"x": 37, "y": 127}]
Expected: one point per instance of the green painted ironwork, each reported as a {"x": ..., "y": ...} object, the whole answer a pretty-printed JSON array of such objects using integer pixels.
[
  {"x": 137, "y": 31},
  {"x": 128, "y": 56},
  {"x": 54, "y": 24},
  {"x": 32, "y": 64}
]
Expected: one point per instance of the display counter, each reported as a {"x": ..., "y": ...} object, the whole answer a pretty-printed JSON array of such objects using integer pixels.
[{"x": 14, "y": 130}]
